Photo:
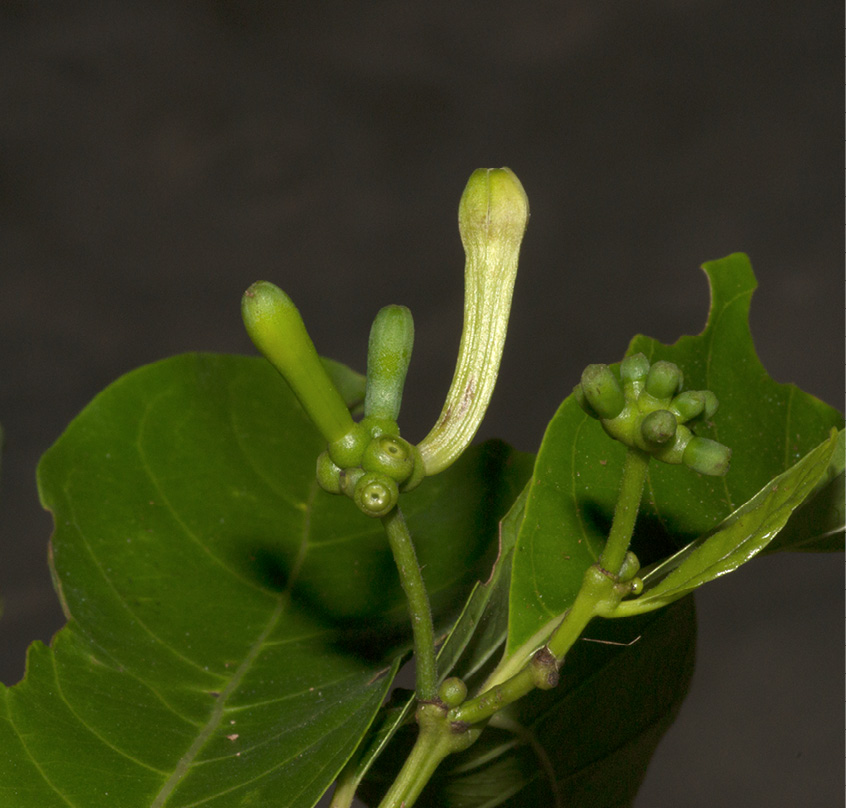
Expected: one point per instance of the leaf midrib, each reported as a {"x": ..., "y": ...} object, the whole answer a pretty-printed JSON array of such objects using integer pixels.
[{"x": 216, "y": 716}]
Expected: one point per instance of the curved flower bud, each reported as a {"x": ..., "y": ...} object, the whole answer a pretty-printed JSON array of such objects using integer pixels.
[
  {"x": 277, "y": 330},
  {"x": 492, "y": 218}
]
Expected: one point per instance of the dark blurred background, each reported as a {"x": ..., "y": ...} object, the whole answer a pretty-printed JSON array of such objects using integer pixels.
[{"x": 158, "y": 157}]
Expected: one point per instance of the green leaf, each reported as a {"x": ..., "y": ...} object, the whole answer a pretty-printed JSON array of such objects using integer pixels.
[
  {"x": 231, "y": 627},
  {"x": 769, "y": 426},
  {"x": 819, "y": 523},
  {"x": 585, "y": 743},
  {"x": 739, "y": 538}
]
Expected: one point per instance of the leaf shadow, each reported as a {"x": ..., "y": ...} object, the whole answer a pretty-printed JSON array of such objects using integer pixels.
[
  {"x": 650, "y": 543},
  {"x": 371, "y": 628}
]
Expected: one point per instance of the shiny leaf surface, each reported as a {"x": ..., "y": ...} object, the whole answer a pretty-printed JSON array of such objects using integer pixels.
[{"x": 232, "y": 629}]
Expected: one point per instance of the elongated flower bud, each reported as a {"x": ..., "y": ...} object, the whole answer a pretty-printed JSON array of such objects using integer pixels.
[
  {"x": 388, "y": 355},
  {"x": 492, "y": 218},
  {"x": 278, "y": 331}
]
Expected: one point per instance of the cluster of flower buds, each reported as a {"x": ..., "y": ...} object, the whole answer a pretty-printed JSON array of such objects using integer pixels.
[
  {"x": 369, "y": 461},
  {"x": 644, "y": 408}
]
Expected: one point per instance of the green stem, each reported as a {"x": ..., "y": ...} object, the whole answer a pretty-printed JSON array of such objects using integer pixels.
[
  {"x": 625, "y": 513},
  {"x": 411, "y": 579},
  {"x": 595, "y": 590},
  {"x": 429, "y": 750}
]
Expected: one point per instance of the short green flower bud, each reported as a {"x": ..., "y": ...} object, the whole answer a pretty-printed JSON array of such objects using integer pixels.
[
  {"x": 376, "y": 494},
  {"x": 602, "y": 391},
  {"x": 635, "y": 586},
  {"x": 664, "y": 380},
  {"x": 452, "y": 691},
  {"x": 328, "y": 474},
  {"x": 492, "y": 218},
  {"x": 711, "y": 404},
  {"x": 579, "y": 395},
  {"x": 278, "y": 331},
  {"x": 658, "y": 427},
  {"x": 634, "y": 368},
  {"x": 707, "y": 457},
  {"x": 689, "y": 405},
  {"x": 388, "y": 355},
  {"x": 630, "y": 568},
  {"x": 544, "y": 669},
  {"x": 391, "y": 456}
]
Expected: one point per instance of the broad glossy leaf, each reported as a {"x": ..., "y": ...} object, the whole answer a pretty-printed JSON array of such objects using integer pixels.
[
  {"x": 769, "y": 426},
  {"x": 230, "y": 626},
  {"x": 586, "y": 742},
  {"x": 739, "y": 538}
]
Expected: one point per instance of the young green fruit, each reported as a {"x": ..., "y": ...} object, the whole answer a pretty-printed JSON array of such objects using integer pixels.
[
  {"x": 492, "y": 218},
  {"x": 375, "y": 494}
]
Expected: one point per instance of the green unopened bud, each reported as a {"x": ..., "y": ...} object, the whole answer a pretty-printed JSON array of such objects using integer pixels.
[
  {"x": 388, "y": 355},
  {"x": 664, "y": 380},
  {"x": 707, "y": 457},
  {"x": 602, "y": 391},
  {"x": 634, "y": 368},
  {"x": 375, "y": 494},
  {"x": 689, "y": 405},
  {"x": 658, "y": 427},
  {"x": 452, "y": 691},
  {"x": 711, "y": 404},
  {"x": 630, "y": 568},
  {"x": 277, "y": 330},
  {"x": 492, "y": 218}
]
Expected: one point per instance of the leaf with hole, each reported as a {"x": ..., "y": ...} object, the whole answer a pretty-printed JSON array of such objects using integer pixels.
[{"x": 769, "y": 426}]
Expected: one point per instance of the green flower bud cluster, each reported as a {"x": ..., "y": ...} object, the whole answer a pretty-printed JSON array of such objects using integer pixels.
[
  {"x": 369, "y": 461},
  {"x": 644, "y": 408},
  {"x": 372, "y": 464}
]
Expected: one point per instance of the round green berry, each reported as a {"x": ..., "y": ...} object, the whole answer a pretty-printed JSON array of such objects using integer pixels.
[
  {"x": 376, "y": 494},
  {"x": 389, "y": 455},
  {"x": 452, "y": 691}
]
